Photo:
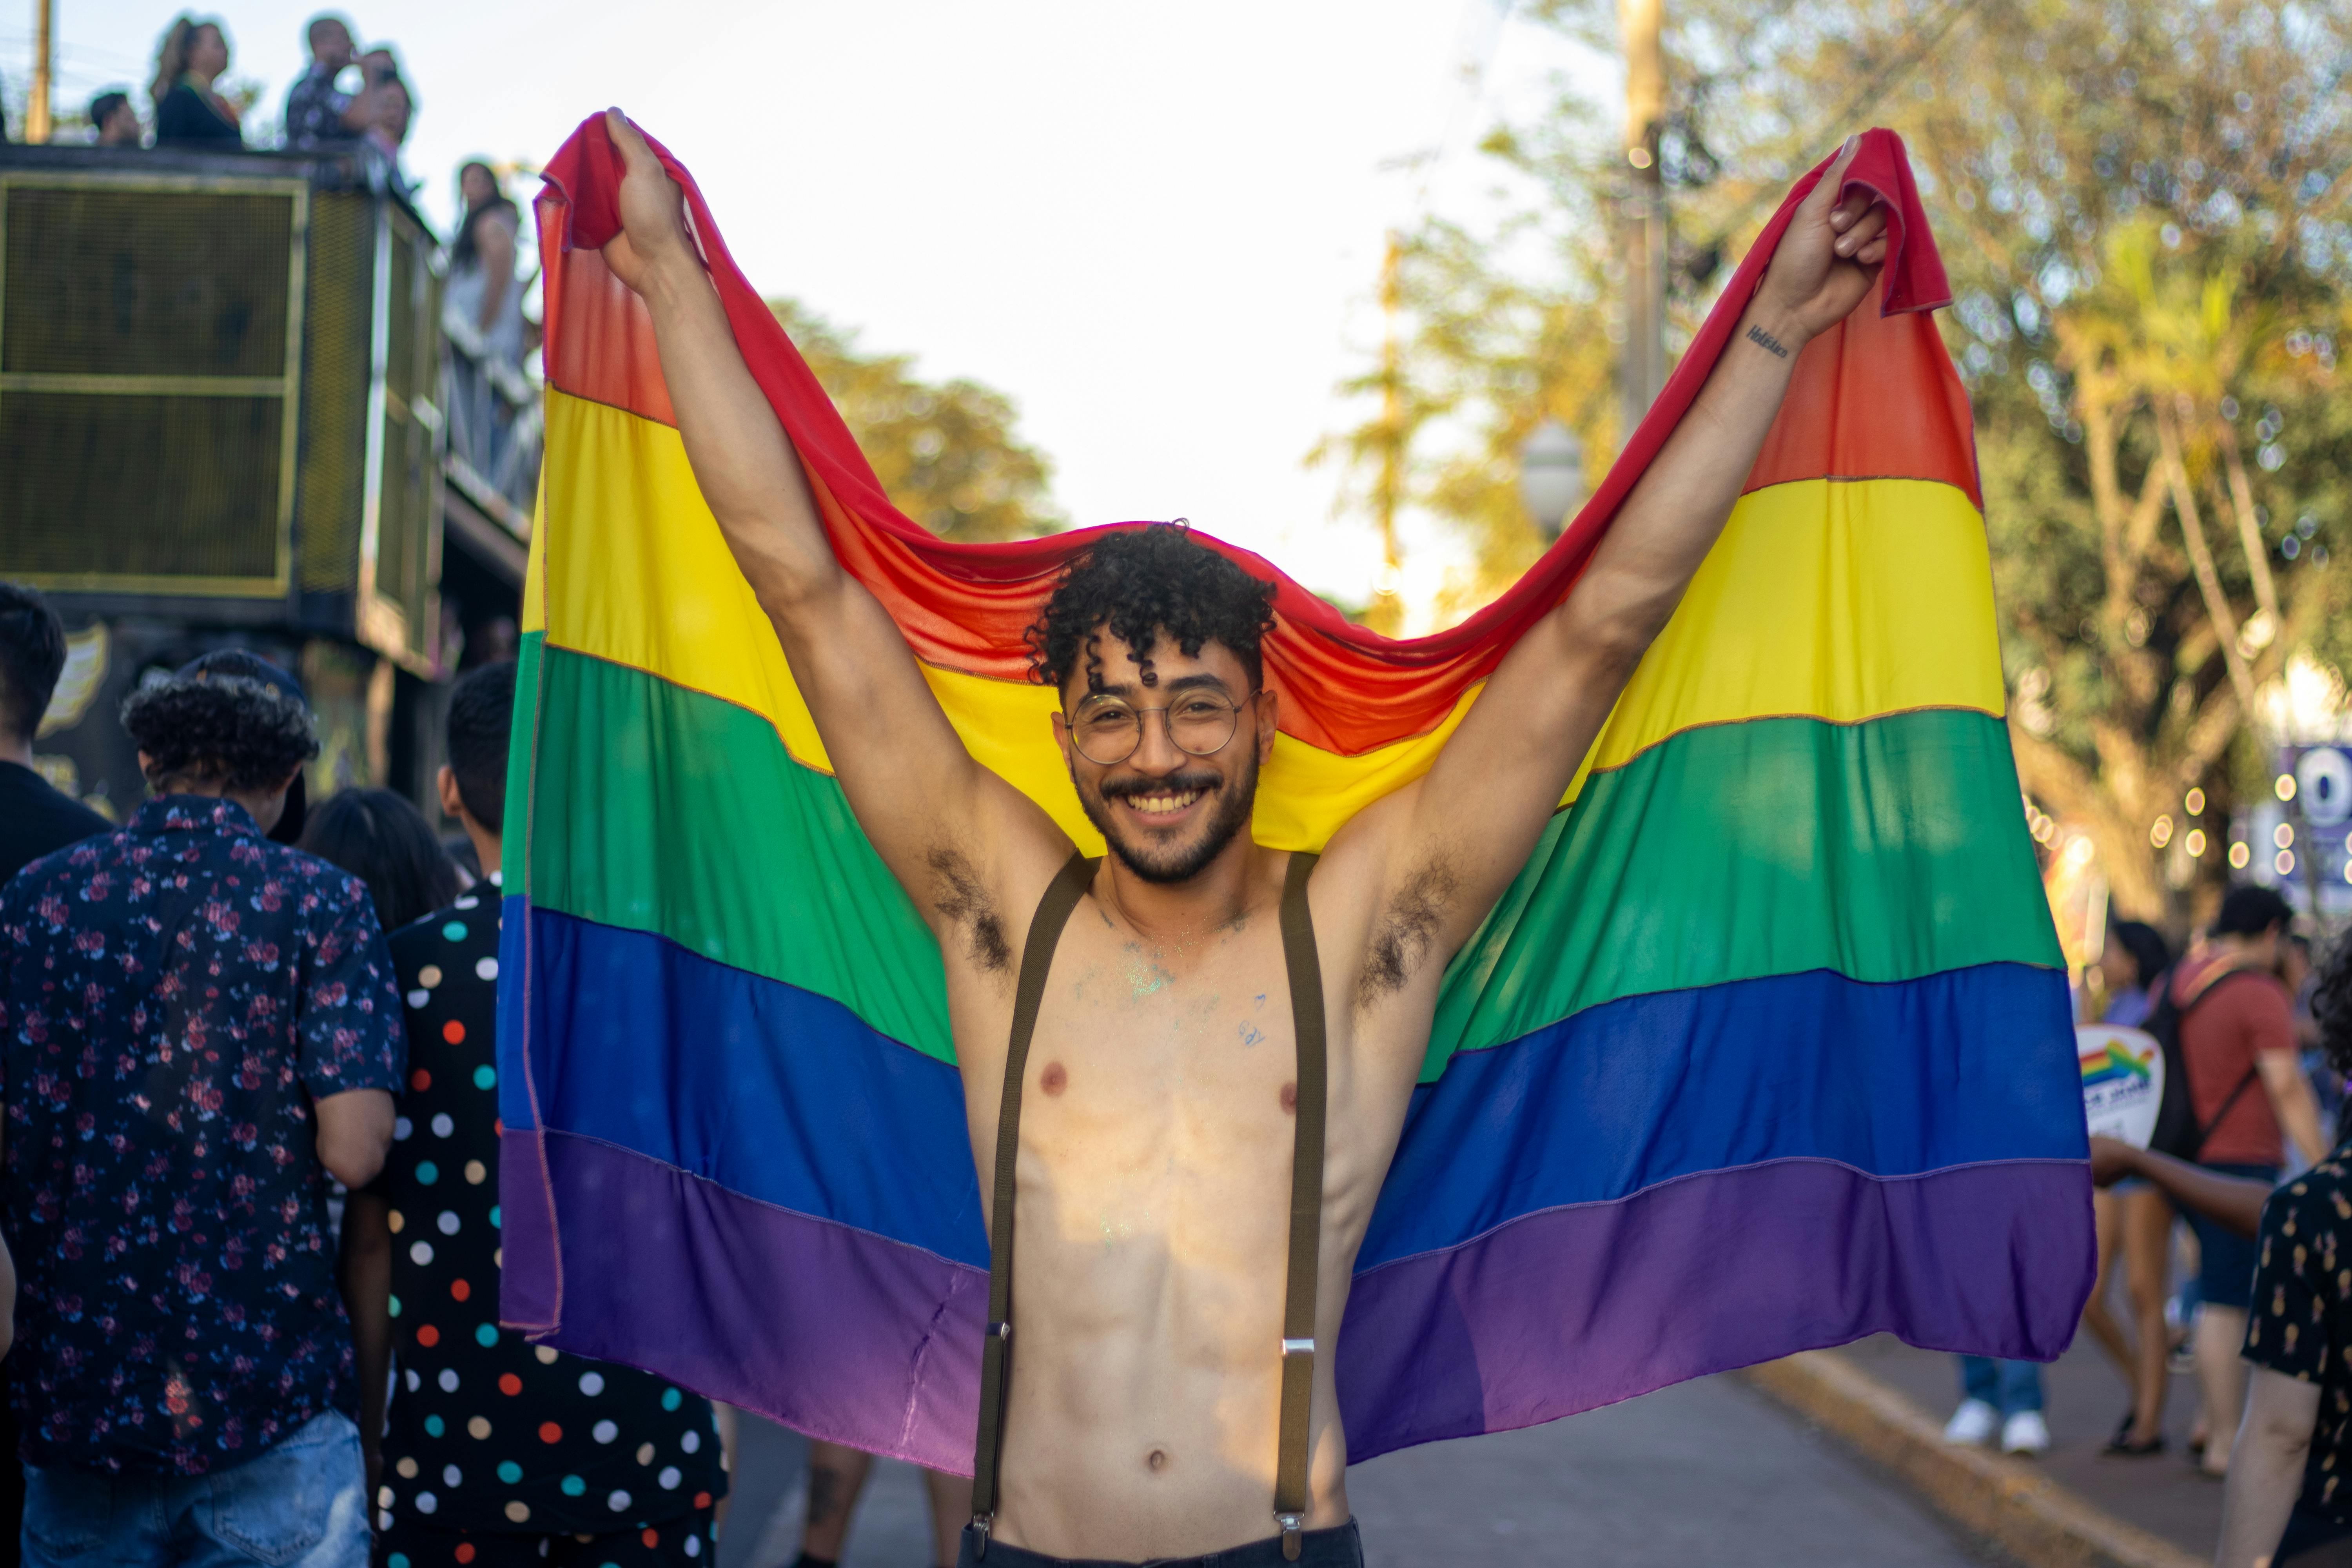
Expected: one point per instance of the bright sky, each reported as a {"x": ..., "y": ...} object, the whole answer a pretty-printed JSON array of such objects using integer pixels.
[{"x": 1157, "y": 228}]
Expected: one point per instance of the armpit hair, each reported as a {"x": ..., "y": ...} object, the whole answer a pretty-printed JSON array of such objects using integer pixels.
[
  {"x": 1405, "y": 930},
  {"x": 960, "y": 895}
]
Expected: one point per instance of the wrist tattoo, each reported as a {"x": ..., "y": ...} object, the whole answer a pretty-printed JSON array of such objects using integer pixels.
[{"x": 1767, "y": 342}]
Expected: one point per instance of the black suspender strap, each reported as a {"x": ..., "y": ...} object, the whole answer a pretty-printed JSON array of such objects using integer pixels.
[
  {"x": 1306, "y": 975},
  {"x": 1305, "y": 1207},
  {"x": 996, "y": 1350}
]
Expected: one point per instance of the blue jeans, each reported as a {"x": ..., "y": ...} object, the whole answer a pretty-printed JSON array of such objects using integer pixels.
[
  {"x": 2009, "y": 1387},
  {"x": 296, "y": 1506}
]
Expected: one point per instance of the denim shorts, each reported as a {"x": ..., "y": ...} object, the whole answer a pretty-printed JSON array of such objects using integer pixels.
[
  {"x": 296, "y": 1505},
  {"x": 2225, "y": 1267}
]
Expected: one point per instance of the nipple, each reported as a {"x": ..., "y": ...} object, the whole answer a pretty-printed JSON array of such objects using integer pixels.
[
  {"x": 1290, "y": 1100},
  {"x": 1055, "y": 1079}
]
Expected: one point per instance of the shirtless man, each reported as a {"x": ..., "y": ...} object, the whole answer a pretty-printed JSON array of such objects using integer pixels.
[{"x": 1153, "y": 1177}]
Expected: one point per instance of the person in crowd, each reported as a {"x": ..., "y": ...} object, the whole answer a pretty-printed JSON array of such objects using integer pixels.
[
  {"x": 482, "y": 316},
  {"x": 113, "y": 122},
  {"x": 387, "y": 126},
  {"x": 837, "y": 1473},
  {"x": 199, "y": 1027},
  {"x": 379, "y": 838},
  {"x": 317, "y": 114},
  {"x": 2291, "y": 1472},
  {"x": 34, "y": 819},
  {"x": 1999, "y": 1399},
  {"x": 2233, "y": 1202},
  {"x": 188, "y": 111},
  {"x": 2246, "y": 1086},
  {"x": 2134, "y": 1220},
  {"x": 460, "y": 850},
  {"x": 495, "y": 1451}
]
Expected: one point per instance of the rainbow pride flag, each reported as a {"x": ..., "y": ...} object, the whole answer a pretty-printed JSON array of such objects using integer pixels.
[{"x": 1767, "y": 1048}]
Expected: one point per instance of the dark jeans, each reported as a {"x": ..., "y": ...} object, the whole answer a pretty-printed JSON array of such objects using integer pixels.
[{"x": 1337, "y": 1548}]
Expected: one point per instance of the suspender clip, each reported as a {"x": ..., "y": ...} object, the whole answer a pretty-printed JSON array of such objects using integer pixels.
[
  {"x": 1298, "y": 1347},
  {"x": 999, "y": 1331},
  {"x": 1290, "y": 1542},
  {"x": 979, "y": 1523}
]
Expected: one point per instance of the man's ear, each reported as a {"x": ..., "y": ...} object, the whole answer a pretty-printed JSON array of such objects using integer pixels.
[
  {"x": 445, "y": 784},
  {"x": 1269, "y": 720}
]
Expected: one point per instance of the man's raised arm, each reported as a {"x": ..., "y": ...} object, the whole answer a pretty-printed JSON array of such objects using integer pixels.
[
  {"x": 1448, "y": 845},
  {"x": 943, "y": 824}
]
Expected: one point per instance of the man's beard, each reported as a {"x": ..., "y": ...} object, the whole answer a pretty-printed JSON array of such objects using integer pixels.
[{"x": 1174, "y": 863}]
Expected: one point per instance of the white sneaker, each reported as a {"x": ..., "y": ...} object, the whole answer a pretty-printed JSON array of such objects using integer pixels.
[
  {"x": 2025, "y": 1433},
  {"x": 1973, "y": 1423}
]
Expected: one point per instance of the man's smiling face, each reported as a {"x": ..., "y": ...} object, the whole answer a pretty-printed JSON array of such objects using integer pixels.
[{"x": 1165, "y": 811}]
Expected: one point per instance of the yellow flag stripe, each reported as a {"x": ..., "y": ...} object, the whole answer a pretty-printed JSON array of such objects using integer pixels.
[{"x": 1842, "y": 601}]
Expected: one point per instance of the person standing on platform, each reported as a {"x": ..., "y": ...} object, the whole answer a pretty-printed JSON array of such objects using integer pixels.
[
  {"x": 319, "y": 116},
  {"x": 189, "y": 111},
  {"x": 496, "y": 1451},
  {"x": 2248, "y": 1092},
  {"x": 199, "y": 1027}
]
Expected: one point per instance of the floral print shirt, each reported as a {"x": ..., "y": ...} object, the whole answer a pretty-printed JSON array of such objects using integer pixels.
[
  {"x": 2301, "y": 1321},
  {"x": 174, "y": 998}
]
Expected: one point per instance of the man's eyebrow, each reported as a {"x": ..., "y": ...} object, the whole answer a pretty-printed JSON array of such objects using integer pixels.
[{"x": 1182, "y": 683}]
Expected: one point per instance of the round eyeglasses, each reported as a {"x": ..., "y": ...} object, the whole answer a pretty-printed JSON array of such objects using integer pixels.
[{"x": 1108, "y": 729}]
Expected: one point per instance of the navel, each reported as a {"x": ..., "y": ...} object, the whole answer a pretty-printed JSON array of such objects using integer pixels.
[
  {"x": 1290, "y": 1098},
  {"x": 1055, "y": 1079},
  {"x": 1157, "y": 1459}
]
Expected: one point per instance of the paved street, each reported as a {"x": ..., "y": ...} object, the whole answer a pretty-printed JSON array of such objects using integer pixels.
[{"x": 1707, "y": 1473}]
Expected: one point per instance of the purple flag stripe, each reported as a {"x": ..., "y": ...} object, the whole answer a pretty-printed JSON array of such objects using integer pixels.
[
  {"x": 1579, "y": 1307},
  {"x": 836, "y": 1333},
  {"x": 804, "y": 1320}
]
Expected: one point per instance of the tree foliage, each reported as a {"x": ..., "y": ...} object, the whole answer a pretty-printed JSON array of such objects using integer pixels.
[
  {"x": 946, "y": 452},
  {"x": 2145, "y": 208}
]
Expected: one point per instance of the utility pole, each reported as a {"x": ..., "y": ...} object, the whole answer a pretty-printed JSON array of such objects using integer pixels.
[
  {"x": 36, "y": 106},
  {"x": 1387, "y": 613},
  {"x": 1643, "y": 371}
]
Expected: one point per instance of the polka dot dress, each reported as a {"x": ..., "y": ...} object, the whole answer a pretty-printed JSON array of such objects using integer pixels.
[{"x": 488, "y": 1432}]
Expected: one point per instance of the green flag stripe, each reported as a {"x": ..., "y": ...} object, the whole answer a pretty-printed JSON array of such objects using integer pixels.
[{"x": 1885, "y": 851}]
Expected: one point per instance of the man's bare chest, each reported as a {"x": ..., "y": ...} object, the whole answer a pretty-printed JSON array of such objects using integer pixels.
[{"x": 1151, "y": 1055}]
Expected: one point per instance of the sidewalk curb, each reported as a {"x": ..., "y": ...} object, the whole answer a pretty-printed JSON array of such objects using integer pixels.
[{"x": 2032, "y": 1517}]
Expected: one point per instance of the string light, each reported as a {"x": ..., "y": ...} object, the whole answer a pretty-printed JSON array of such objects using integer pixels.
[
  {"x": 2240, "y": 855},
  {"x": 2196, "y": 802},
  {"x": 2160, "y": 833},
  {"x": 2283, "y": 834},
  {"x": 2285, "y": 786},
  {"x": 2194, "y": 843},
  {"x": 2286, "y": 862}
]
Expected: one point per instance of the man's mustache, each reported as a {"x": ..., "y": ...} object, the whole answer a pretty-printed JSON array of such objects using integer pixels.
[{"x": 1200, "y": 779}]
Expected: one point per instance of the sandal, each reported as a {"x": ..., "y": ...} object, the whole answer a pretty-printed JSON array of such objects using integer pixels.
[{"x": 2121, "y": 1444}]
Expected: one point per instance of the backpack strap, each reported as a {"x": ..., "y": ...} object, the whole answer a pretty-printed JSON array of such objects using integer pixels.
[
  {"x": 1306, "y": 974},
  {"x": 2221, "y": 975},
  {"x": 996, "y": 1351}
]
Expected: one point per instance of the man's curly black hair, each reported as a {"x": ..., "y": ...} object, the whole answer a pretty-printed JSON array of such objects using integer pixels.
[
  {"x": 1138, "y": 584},
  {"x": 222, "y": 727}
]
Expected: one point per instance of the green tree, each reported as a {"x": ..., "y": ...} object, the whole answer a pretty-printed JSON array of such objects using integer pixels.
[
  {"x": 2143, "y": 206},
  {"x": 945, "y": 452}
]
